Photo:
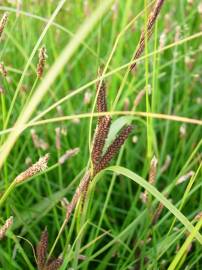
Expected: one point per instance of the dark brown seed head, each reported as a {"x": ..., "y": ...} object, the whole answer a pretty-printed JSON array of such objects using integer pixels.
[
  {"x": 157, "y": 213},
  {"x": 6, "y": 227},
  {"x": 100, "y": 138},
  {"x": 3, "y": 22},
  {"x": 3, "y": 70},
  {"x": 41, "y": 250},
  {"x": 148, "y": 33},
  {"x": 113, "y": 149},
  {"x": 42, "y": 61},
  {"x": 153, "y": 170},
  {"x": 101, "y": 95},
  {"x": 54, "y": 265}
]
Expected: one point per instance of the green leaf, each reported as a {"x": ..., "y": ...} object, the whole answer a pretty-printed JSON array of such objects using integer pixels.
[{"x": 151, "y": 189}]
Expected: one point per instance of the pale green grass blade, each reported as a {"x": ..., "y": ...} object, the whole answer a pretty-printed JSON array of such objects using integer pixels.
[
  {"x": 185, "y": 246},
  {"x": 151, "y": 189},
  {"x": 64, "y": 57}
]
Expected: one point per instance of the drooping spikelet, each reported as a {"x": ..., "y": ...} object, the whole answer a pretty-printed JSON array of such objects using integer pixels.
[
  {"x": 54, "y": 265},
  {"x": 68, "y": 154},
  {"x": 152, "y": 176},
  {"x": 41, "y": 250},
  {"x": 3, "y": 70},
  {"x": 101, "y": 96},
  {"x": 185, "y": 177},
  {"x": 139, "y": 97},
  {"x": 6, "y": 227},
  {"x": 99, "y": 161},
  {"x": 100, "y": 138},
  {"x": 38, "y": 142},
  {"x": 79, "y": 192},
  {"x": 147, "y": 34},
  {"x": 153, "y": 170},
  {"x": 42, "y": 61},
  {"x": 3, "y": 22},
  {"x": 41, "y": 255},
  {"x": 113, "y": 148},
  {"x": 166, "y": 164},
  {"x": 39, "y": 166},
  {"x": 157, "y": 213}
]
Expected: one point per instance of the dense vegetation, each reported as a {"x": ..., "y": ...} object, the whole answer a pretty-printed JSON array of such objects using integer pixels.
[{"x": 50, "y": 53}]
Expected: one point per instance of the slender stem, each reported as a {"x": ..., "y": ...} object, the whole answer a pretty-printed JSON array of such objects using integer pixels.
[
  {"x": 7, "y": 192},
  {"x": 57, "y": 238}
]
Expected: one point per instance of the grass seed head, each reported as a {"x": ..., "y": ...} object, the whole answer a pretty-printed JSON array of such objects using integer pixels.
[
  {"x": 101, "y": 96},
  {"x": 3, "y": 22},
  {"x": 185, "y": 177},
  {"x": 139, "y": 97},
  {"x": 3, "y": 70},
  {"x": 153, "y": 170},
  {"x": 42, "y": 60},
  {"x": 148, "y": 33},
  {"x": 166, "y": 164},
  {"x": 39, "y": 143},
  {"x": 114, "y": 148},
  {"x": 68, "y": 154},
  {"x": 39, "y": 166},
  {"x": 157, "y": 213},
  {"x": 54, "y": 264},
  {"x": 100, "y": 138},
  {"x": 6, "y": 227},
  {"x": 41, "y": 250}
]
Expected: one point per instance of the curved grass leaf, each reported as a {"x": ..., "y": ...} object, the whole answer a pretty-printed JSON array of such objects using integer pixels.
[{"x": 151, "y": 189}]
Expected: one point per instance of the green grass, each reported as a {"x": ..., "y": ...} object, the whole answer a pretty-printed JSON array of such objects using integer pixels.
[{"x": 113, "y": 230}]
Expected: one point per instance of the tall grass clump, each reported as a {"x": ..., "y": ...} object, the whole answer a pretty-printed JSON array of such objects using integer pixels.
[{"x": 100, "y": 170}]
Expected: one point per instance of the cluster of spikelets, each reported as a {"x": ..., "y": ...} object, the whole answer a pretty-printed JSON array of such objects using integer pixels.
[
  {"x": 43, "y": 262},
  {"x": 100, "y": 159}
]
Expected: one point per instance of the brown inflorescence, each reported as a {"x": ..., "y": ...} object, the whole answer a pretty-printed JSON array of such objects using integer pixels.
[
  {"x": 68, "y": 154},
  {"x": 147, "y": 34},
  {"x": 3, "y": 70},
  {"x": 54, "y": 265},
  {"x": 101, "y": 96},
  {"x": 41, "y": 255},
  {"x": 81, "y": 189},
  {"x": 41, "y": 250},
  {"x": 6, "y": 227},
  {"x": 153, "y": 170},
  {"x": 113, "y": 149},
  {"x": 39, "y": 166},
  {"x": 99, "y": 161},
  {"x": 3, "y": 22},
  {"x": 42, "y": 61},
  {"x": 100, "y": 138}
]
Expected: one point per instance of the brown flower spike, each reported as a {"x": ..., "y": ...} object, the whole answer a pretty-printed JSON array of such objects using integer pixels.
[
  {"x": 101, "y": 95},
  {"x": 39, "y": 166},
  {"x": 6, "y": 227},
  {"x": 42, "y": 61},
  {"x": 99, "y": 160},
  {"x": 41, "y": 253},
  {"x": 113, "y": 149},
  {"x": 148, "y": 33},
  {"x": 41, "y": 250},
  {"x": 3, "y": 22}
]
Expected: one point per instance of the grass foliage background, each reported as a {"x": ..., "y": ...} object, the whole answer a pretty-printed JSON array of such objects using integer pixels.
[{"x": 114, "y": 229}]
